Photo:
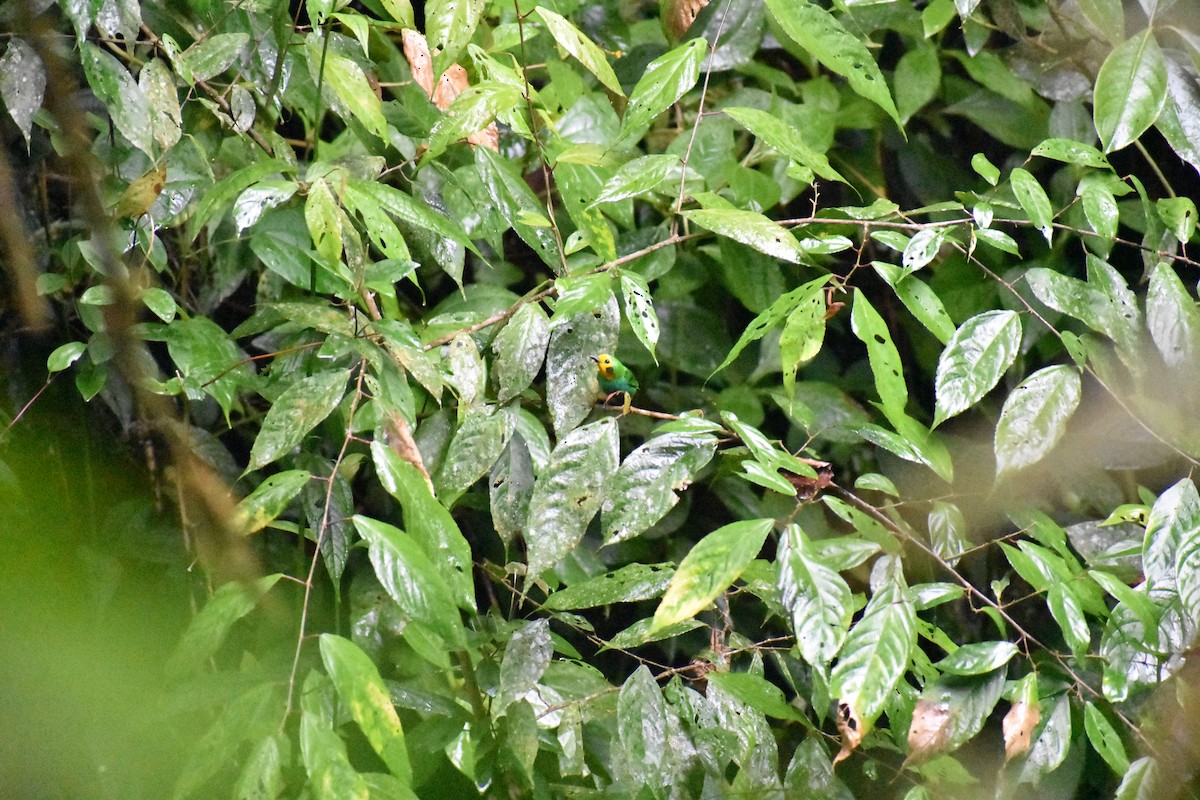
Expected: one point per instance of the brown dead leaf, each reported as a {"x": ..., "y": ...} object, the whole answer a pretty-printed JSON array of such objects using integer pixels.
[
  {"x": 450, "y": 85},
  {"x": 402, "y": 443},
  {"x": 416, "y": 50},
  {"x": 808, "y": 488},
  {"x": 1018, "y": 727},
  {"x": 851, "y": 727},
  {"x": 678, "y": 16},
  {"x": 927, "y": 735}
]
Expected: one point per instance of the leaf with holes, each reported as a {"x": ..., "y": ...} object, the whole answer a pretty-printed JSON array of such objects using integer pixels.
[
  {"x": 976, "y": 357},
  {"x": 637, "y": 177},
  {"x": 520, "y": 349},
  {"x": 639, "y": 310},
  {"x": 628, "y": 584},
  {"x": 665, "y": 80},
  {"x": 821, "y": 34},
  {"x": 751, "y": 229},
  {"x": 449, "y": 25},
  {"x": 300, "y": 408},
  {"x": 569, "y": 492},
  {"x": 645, "y": 487},
  {"x": 885, "y": 362}
]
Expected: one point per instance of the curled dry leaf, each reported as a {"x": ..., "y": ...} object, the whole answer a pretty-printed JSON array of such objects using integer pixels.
[
  {"x": 1018, "y": 726},
  {"x": 678, "y": 16},
  {"x": 402, "y": 443},
  {"x": 929, "y": 731},
  {"x": 850, "y": 726},
  {"x": 449, "y": 86},
  {"x": 416, "y": 50}
]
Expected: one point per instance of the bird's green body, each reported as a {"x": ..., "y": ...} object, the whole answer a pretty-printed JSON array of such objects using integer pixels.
[{"x": 614, "y": 377}]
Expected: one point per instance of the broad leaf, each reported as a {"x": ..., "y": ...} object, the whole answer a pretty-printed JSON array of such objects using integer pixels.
[
  {"x": 710, "y": 568},
  {"x": 1035, "y": 417},
  {"x": 665, "y": 80},
  {"x": 644, "y": 487},
  {"x": 366, "y": 698},
  {"x": 751, "y": 229},
  {"x": 300, "y": 408},
  {"x": 1130, "y": 91},
  {"x": 412, "y": 580},
  {"x": 569, "y": 492},
  {"x": 974, "y": 361},
  {"x": 815, "y": 595}
]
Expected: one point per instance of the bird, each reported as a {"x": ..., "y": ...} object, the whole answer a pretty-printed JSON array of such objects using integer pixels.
[{"x": 615, "y": 378}]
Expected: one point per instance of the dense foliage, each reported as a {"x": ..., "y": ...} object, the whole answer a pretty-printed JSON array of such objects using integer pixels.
[{"x": 903, "y": 506}]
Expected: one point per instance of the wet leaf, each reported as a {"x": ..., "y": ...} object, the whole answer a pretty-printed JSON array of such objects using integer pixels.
[
  {"x": 665, "y": 80},
  {"x": 815, "y": 595},
  {"x": 1035, "y": 417},
  {"x": 974, "y": 361},
  {"x": 520, "y": 349},
  {"x": 271, "y": 498},
  {"x": 22, "y": 84},
  {"x": 569, "y": 492},
  {"x": 526, "y": 657},
  {"x": 300, "y": 408},
  {"x": 1130, "y": 91}
]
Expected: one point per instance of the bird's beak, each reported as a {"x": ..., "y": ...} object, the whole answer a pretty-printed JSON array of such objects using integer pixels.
[{"x": 593, "y": 358}]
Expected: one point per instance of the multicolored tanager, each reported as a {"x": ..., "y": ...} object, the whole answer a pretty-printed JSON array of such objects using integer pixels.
[{"x": 615, "y": 378}]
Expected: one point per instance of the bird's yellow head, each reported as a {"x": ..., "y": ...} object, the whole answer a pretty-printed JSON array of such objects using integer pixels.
[{"x": 604, "y": 363}]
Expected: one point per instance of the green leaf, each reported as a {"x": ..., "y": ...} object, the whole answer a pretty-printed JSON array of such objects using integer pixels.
[
  {"x": 510, "y": 488},
  {"x": 1107, "y": 16},
  {"x": 1034, "y": 200},
  {"x": 780, "y": 309},
  {"x": 985, "y": 168},
  {"x": 520, "y": 349},
  {"x": 974, "y": 361},
  {"x": 161, "y": 303},
  {"x": 1067, "y": 611},
  {"x": 756, "y": 692},
  {"x": 1105, "y": 739},
  {"x": 628, "y": 584},
  {"x": 923, "y": 248},
  {"x": 412, "y": 581},
  {"x": 822, "y": 35},
  {"x": 950, "y": 712},
  {"x": 22, "y": 84},
  {"x": 568, "y": 37},
  {"x": 1052, "y": 742},
  {"x": 367, "y": 699},
  {"x": 665, "y": 80},
  {"x": 475, "y": 448},
  {"x": 920, "y": 300},
  {"x": 324, "y": 220},
  {"x": 1102, "y": 305},
  {"x": 876, "y": 651},
  {"x": 1179, "y": 215},
  {"x": 449, "y": 25},
  {"x": 816, "y": 596},
  {"x": 526, "y": 657},
  {"x": 947, "y": 531},
  {"x": 644, "y": 487},
  {"x": 411, "y": 210},
  {"x": 64, "y": 356},
  {"x": 326, "y": 763},
  {"x": 569, "y": 492},
  {"x": 802, "y": 337},
  {"x": 472, "y": 111},
  {"x": 1130, "y": 91},
  {"x": 1072, "y": 152},
  {"x": 751, "y": 229},
  {"x": 300, "y": 408},
  {"x": 785, "y": 138},
  {"x": 214, "y": 199},
  {"x": 516, "y": 201},
  {"x": 1099, "y": 206},
  {"x": 211, "y": 56},
  {"x": 977, "y": 658},
  {"x": 1141, "y": 782},
  {"x": 639, "y": 310},
  {"x": 350, "y": 85},
  {"x": 917, "y": 79},
  {"x": 571, "y": 383},
  {"x": 428, "y": 523},
  {"x": 709, "y": 568},
  {"x": 1035, "y": 416},
  {"x": 642, "y": 728},
  {"x": 208, "y": 629},
  {"x": 637, "y": 177},
  {"x": 885, "y": 362},
  {"x": 123, "y": 99},
  {"x": 271, "y": 498},
  {"x": 997, "y": 239}
]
